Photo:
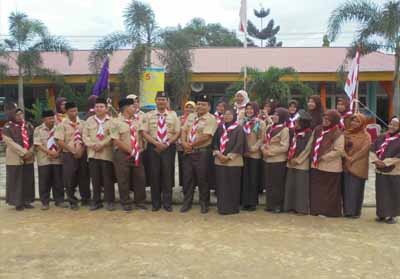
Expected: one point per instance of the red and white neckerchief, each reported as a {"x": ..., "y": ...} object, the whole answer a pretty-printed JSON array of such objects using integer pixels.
[
  {"x": 239, "y": 108},
  {"x": 343, "y": 117},
  {"x": 134, "y": 142},
  {"x": 225, "y": 138},
  {"x": 219, "y": 117},
  {"x": 162, "y": 132},
  {"x": 293, "y": 145},
  {"x": 193, "y": 131},
  {"x": 25, "y": 137},
  {"x": 388, "y": 139},
  {"x": 273, "y": 128},
  {"x": 247, "y": 126},
  {"x": 317, "y": 145},
  {"x": 100, "y": 131},
  {"x": 292, "y": 121},
  {"x": 184, "y": 119},
  {"x": 77, "y": 133},
  {"x": 51, "y": 142}
]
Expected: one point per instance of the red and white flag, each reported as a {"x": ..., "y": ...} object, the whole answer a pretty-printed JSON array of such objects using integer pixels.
[
  {"x": 351, "y": 83},
  {"x": 243, "y": 16}
]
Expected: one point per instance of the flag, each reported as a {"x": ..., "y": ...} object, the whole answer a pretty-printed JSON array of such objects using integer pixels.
[
  {"x": 243, "y": 16},
  {"x": 351, "y": 83},
  {"x": 102, "y": 81}
]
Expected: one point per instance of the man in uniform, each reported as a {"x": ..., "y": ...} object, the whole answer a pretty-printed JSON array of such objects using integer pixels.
[
  {"x": 96, "y": 136},
  {"x": 196, "y": 138},
  {"x": 161, "y": 129},
  {"x": 75, "y": 168},
  {"x": 49, "y": 161},
  {"x": 127, "y": 158}
]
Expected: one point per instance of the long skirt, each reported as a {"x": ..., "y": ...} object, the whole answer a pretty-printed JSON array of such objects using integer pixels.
[
  {"x": 297, "y": 191},
  {"x": 250, "y": 182},
  {"x": 211, "y": 173},
  {"x": 353, "y": 194},
  {"x": 20, "y": 185},
  {"x": 228, "y": 189},
  {"x": 387, "y": 195},
  {"x": 275, "y": 176},
  {"x": 325, "y": 193}
]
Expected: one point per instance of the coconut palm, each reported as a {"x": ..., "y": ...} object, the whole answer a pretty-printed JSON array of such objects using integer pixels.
[
  {"x": 379, "y": 29},
  {"x": 27, "y": 39}
]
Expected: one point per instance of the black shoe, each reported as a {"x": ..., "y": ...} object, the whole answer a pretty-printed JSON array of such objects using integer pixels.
[
  {"x": 380, "y": 219},
  {"x": 61, "y": 205},
  {"x": 127, "y": 208},
  {"x": 74, "y": 206},
  {"x": 391, "y": 220},
  {"x": 28, "y": 206},
  {"x": 155, "y": 209},
  {"x": 110, "y": 206},
  {"x": 168, "y": 208},
  {"x": 203, "y": 209},
  {"x": 141, "y": 207},
  {"x": 85, "y": 203},
  {"x": 45, "y": 207},
  {"x": 96, "y": 207},
  {"x": 185, "y": 208},
  {"x": 19, "y": 208}
]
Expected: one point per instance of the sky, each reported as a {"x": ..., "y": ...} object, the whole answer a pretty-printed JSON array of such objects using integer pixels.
[{"x": 83, "y": 22}]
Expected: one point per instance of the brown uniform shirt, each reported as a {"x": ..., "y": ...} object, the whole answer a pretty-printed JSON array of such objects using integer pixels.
[
  {"x": 278, "y": 147},
  {"x": 65, "y": 132},
  {"x": 14, "y": 149},
  {"x": 121, "y": 130},
  {"x": 255, "y": 140},
  {"x": 41, "y": 137},
  {"x": 332, "y": 161},
  {"x": 90, "y": 139},
  {"x": 150, "y": 124},
  {"x": 207, "y": 125}
]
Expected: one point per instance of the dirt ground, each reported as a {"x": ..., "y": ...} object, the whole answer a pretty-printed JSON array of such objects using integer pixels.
[{"x": 61, "y": 243}]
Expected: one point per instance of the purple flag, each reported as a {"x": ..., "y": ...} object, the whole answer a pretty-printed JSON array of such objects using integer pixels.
[{"x": 102, "y": 81}]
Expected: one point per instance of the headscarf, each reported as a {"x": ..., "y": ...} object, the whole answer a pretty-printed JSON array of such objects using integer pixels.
[
  {"x": 255, "y": 107},
  {"x": 296, "y": 104},
  {"x": 272, "y": 131},
  {"x": 283, "y": 115},
  {"x": 245, "y": 97},
  {"x": 59, "y": 101},
  {"x": 253, "y": 121},
  {"x": 193, "y": 104},
  {"x": 231, "y": 109},
  {"x": 273, "y": 104},
  {"x": 316, "y": 114},
  {"x": 333, "y": 116}
]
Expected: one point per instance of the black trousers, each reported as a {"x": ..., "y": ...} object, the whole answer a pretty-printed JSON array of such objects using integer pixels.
[
  {"x": 129, "y": 177},
  {"x": 196, "y": 169},
  {"x": 50, "y": 180},
  {"x": 76, "y": 173},
  {"x": 160, "y": 176},
  {"x": 102, "y": 174}
]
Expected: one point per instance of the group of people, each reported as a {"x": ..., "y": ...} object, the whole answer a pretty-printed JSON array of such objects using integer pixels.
[{"x": 308, "y": 161}]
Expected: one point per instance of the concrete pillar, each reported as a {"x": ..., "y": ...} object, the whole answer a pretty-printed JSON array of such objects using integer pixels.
[{"x": 372, "y": 88}]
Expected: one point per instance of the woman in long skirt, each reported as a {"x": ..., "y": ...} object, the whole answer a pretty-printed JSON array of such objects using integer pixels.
[
  {"x": 297, "y": 187},
  {"x": 20, "y": 180},
  {"x": 229, "y": 144},
  {"x": 255, "y": 129},
  {"x": 274, "y": 150},
  {"x": 326, "y": 167},
  {"x": 356, "y": 160},
  {"x": 386, "y": 158}
]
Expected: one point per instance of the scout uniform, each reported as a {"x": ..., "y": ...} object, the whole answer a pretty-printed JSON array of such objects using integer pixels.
[
  {"x": 161, "y": 127},
  {"x": 196, "y": 164},
  {"x": 20, "y": 181},
  {"x": 75, "y": 171},
  {"x": 129, "y": 168},
  {"x": 50, "y": 169},
  {"x": 97, "y": 132}
]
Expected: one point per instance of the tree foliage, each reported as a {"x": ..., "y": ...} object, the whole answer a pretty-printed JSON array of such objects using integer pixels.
[{"x": 267, "y": 33}]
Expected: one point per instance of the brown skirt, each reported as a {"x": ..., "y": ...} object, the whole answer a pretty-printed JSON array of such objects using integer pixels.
[
  {"x": 353, "y": 194},
  {"x": 20, "y": 185},
  {"x": 297, "y": 191},
  {"x": 325, "y": 193},
  {"x": 275, "y": 175},
  {"x": 387, "y": 195},
  {"x": 228, "y": 181}
]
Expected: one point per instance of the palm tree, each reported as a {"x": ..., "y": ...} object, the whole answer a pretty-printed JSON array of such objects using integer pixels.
[
  {"x": 380, "y": 29},
  {"x": 27, "y": 39}
]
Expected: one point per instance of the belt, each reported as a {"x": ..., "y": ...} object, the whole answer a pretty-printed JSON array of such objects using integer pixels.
[{"x": 201, "y": 149}]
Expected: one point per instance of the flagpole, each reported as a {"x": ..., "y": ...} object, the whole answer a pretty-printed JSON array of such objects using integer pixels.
[{"x": 245, "y": 67}]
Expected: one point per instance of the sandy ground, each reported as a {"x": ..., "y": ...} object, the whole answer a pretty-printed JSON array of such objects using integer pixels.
[{"x": 65, "y": 244}]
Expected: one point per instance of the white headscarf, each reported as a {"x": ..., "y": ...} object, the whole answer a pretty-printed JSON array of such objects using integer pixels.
[{"x": 245, "y": 96}]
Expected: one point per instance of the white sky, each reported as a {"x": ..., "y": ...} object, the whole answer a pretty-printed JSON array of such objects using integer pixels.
[{"x": 303, "y": 22}]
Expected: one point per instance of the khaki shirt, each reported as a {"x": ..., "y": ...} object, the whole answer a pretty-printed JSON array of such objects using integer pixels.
[
  {"x": 278, "y": 147},
  {"x": 255, "y": 141},
  {"x": 90, "y": 139},
  {"x": 65, "y": 132},
  {"x": 207, "y": 125},
  {"x": 332, "y": 161},
  {"x": 150, "y": 124},
  {"x": 120, "y": 130},
  {"x": 302, "y": 161},
  {"x": 388, "y": 162},
  {"x": 40, "y": 137},
  {"x": 15, "y": 152}
]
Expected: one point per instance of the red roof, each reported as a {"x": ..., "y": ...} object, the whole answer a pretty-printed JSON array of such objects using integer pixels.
[{"x": 231, "y": 60}]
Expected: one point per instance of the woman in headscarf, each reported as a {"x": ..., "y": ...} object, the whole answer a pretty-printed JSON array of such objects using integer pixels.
[
  {"x": 297, "y": 187},
  {"x": 229, "y": 145},
  {"x": 60, "y": 109},
  {"x": 219, "y": 111},
  {"x": 188, "y": 108},
  {"x": 386, "y": 158},
  {"x": 343, "y": 107},
  {"x": 241, "y": 100},
  {"x": 268, "y": 109},
  {"x": 326, "y": 167},
  {"x": 20, "y": 179},
  {"x": 314, "y": 106},
  {"x": 293, "y": 108},
  {"x": 274, "y": 150},
  {"x": 254, "y": 129},
  {"x": 356, "y": 160}
]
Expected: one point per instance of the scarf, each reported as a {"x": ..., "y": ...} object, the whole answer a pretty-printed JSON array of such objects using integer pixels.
[
  {"x": 382, "y": 148},
  {"x": 193, "y": 131},
  {"x": 51, "y": 143},
  {"x": 292, "y": 120},
  {"x": 343, "y": 117},
  {"x": 273, "y": 131},
  {"x": 225, "y": 137},
  {"x": 77, "y": 133},
  {"x": 162, "y": 132},
  {"x": 134, "y": 142},
  {"x": 293, "y": 145},
  {"x": 100, "y": 131},
  {"x": 24, "y": 134},
  {"x": 251, "y": 124},
  {"x": 219, "y": 117},
  {"x": 317, "y": 145}
]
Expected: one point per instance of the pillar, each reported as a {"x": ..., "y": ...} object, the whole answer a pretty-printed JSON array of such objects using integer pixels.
[
  {"x": 322, "y": 94},
  {"x": 372, "y": 88},
  {"x": 388, "y": 87}
]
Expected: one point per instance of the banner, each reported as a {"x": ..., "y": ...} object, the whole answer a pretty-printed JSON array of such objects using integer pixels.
[{"x": 152, "y": 81}]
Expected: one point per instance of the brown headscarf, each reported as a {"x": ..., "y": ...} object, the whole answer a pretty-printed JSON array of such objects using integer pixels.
[
  {"x": 59, "y": 101},
  {"x": 12, "y": 129},
  {"x": 283, "y": 115},
  {"x": 316, "y": 114},
  {"x": 357, "y": 142}
]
